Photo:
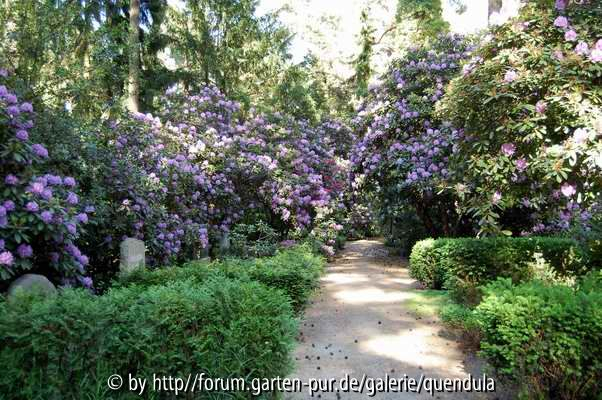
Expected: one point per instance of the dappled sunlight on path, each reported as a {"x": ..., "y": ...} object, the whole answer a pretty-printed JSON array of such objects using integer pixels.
[{"x": 361, "y": 322}]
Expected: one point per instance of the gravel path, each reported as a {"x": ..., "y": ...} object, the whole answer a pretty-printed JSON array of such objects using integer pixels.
[{"x": 359, "y": 323}]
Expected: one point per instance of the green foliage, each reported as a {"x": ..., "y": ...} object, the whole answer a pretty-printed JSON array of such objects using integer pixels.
[
  {"x": 467, "y": 262},
  {"x": 66, "y": 347},
  {"x": 295, "y": 271},
  {"x": 547, "y": 337},
  {"x": 361, "y": 64},
  {"x": 428, "y": 15},
  {"x": 253, "y": 240}
]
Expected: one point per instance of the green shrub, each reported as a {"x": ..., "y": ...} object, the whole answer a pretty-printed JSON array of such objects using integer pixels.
[
  {"x": 469, "y": 262},
  {"x": 547, "y": 337},
  {"x": 66, "y": 347},
  {"x": 253, "y": 240},
  {"x": 295, "y": 271}
]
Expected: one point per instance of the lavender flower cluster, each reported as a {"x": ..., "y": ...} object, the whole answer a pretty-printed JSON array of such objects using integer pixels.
[
  {"x": 401, "y": 140},
  {"x": 181, "y": 179},
  {"x": 41, "y": 216}
]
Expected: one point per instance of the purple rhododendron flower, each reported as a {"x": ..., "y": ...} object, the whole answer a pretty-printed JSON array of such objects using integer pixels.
[
  {"x": 72, "y": 198},
  {"x": 508, "y": 149},
  {"x": 541, "y": 107},
  {"x": 568, "y": 190},
  {"x": 69, "y": 181},
  {"x": 9, "y": 205},
  {"x": 40, "y": 150},
  {"x": 82, "y": 218},
  {"x": 13, "y": 110},
  {"x": 11, "y": 180},
  {"x": 596, "y": 55},
  {"x": 561, "y": 22},
  {"x": 22, "y": 135},
  {"x": 46, "y": 216},
  {"x": 26, "y": 107},
  {"x": 87, "y": 281},
  {"x": 560, "y": 4},
  {"x": 6, "y": 258},
  {"x": 32, "y": 206},
  {"x": 496, "y": 197},
  {"x": 54, "y": 180},
  {"x": 24, "y": 251},
  {"x": 36, "y": 188},
  {"x": 2, "y": 211},
  {"x": 71, "y": 228}
]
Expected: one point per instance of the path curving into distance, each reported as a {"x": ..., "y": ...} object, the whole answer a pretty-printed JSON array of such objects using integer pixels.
[{"x": 364, "y": 321}]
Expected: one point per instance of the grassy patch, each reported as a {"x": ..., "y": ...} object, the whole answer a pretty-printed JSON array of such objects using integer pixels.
[{"x": 427, "y": 303}]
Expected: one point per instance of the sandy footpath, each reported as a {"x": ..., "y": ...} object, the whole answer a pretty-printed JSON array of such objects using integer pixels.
[{"x": 360, "y": 324}]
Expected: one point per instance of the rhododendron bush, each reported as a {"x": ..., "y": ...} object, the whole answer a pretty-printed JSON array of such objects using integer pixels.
[
  {"x": 182, "y": 178},
  {"x": 404, "y": 152},
  {"x": 530, "y": 104},
  {"x": 41, "y": 214},
  {"x": 179, "y": 180}
]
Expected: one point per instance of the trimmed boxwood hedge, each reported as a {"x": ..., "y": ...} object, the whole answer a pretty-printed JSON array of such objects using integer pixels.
[
  {"x": 67, "y": 346},
  {"x": 436, "y": 262},
  {"x": 547, "y": 337},
  {"x": 295, "y": 271}
]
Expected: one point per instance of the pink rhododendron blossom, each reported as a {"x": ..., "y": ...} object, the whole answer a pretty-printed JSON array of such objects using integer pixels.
[
  {"x": 541, "y": 107},
  {"x": 508, "y": 149},
  {"x": 582, "y": 49},
  {"x": 6, "y": 258},
  {"x": 561, "y": 22},
  {"x": 568, "y": 190},
  {"x": 580, "y": 136},
  {"x": 596, "y": 55},
  {"x": 521, "y": 164},
  {"x": 510, "y": 76},
  {"x": 570, "y": 36}
]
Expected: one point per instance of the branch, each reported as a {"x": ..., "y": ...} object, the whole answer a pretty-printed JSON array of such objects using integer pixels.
[{"x": 389, "y": 29}]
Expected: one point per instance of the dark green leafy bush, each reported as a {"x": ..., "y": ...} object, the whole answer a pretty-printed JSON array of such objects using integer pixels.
[
  {"x": 547, "y": 337},
  {"x": 445, "y": 263},
  {"x": 295, "y": 271},
  {"x": 253, "y": 240},
  {"x": 66, "y": 347}
]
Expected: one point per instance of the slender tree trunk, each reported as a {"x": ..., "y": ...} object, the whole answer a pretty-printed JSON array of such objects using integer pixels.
[{"x": 134, "y": 57}]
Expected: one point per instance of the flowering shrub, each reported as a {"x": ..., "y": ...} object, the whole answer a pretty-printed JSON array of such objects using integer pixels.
[
  {"x": 404, "y": 151},
  {"x": 530, "y": 104},
  {"x": 182, "y": 179},
  {"x": 41, "y": 215}
]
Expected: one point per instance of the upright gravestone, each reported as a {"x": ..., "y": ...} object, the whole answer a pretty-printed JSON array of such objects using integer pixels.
[
  {"x": 224, "y": 243},
  {"x": 204, "y": 254},
  {"x": 31, "y": 283},
  {"x": 132, "y": 255}
]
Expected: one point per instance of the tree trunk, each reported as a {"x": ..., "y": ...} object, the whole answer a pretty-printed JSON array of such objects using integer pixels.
[{"x": 134, "y": 57}]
